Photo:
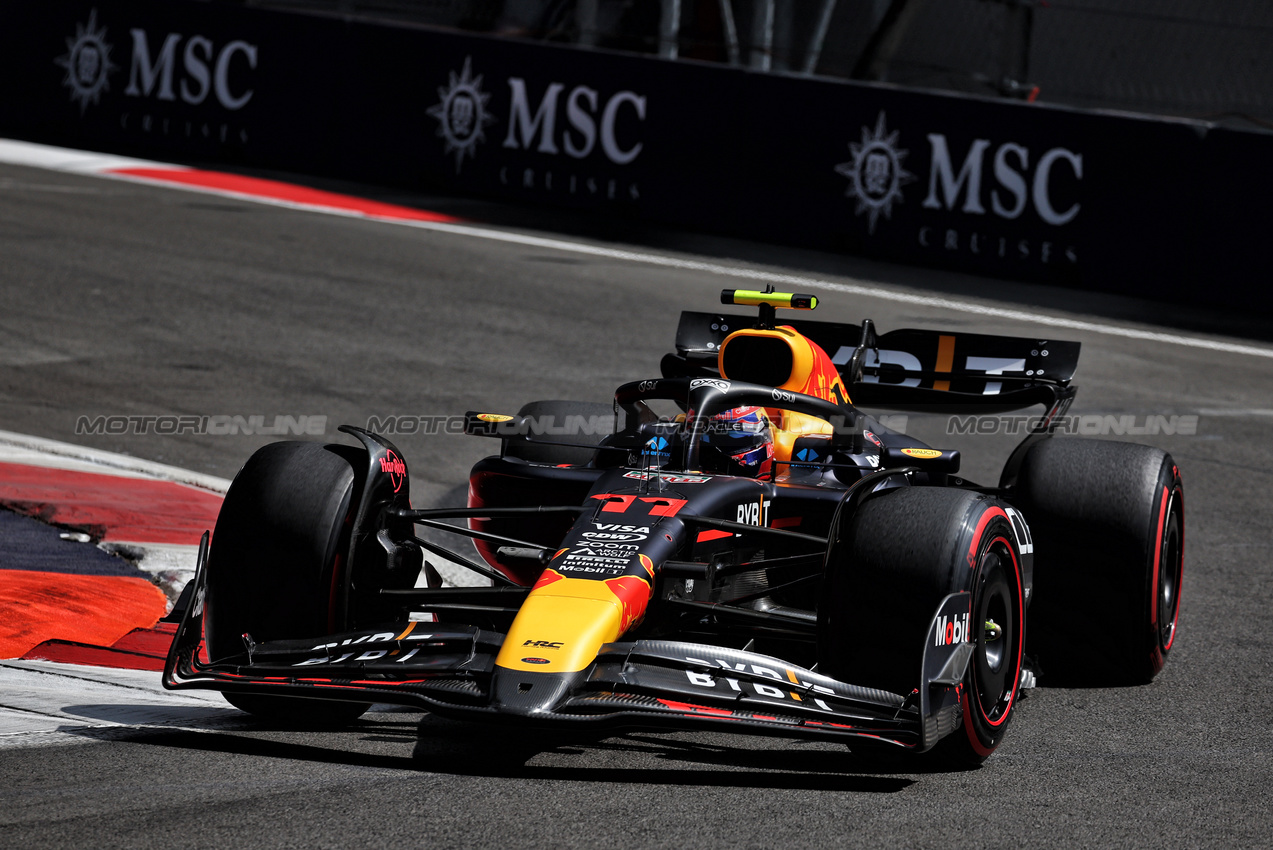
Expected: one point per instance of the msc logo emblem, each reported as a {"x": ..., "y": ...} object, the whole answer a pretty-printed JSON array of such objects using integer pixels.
[
  {"x": 87, "y": 62},
  {"x": 462, "y": 114},
  {"x": 876, "y": 175}
]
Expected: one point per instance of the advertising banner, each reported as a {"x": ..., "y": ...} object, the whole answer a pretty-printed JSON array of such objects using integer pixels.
[{"x": 1021, "y": 191}]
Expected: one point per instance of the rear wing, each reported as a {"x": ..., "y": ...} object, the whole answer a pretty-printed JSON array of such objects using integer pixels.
[{"x": 907, "y": 369}]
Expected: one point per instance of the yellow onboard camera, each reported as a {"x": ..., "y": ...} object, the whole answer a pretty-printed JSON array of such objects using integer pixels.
[
  {"x": 768, "y": 301},
  {"x": 758, "y": 298}
]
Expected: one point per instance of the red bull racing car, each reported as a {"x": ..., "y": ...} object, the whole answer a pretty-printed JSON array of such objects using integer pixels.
[{"x": 740, "y": 547}]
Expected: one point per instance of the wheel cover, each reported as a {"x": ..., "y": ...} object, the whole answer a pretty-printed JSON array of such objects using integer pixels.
[{"x": 996, "y": 657}]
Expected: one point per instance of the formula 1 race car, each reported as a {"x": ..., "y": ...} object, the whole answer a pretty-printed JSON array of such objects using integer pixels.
[{"x": 737, "y": 546}]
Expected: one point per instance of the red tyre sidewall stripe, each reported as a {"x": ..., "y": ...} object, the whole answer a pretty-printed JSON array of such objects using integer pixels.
[
  {"x": 974, "y": 741},
  {"x": 1179, "y": 492},
  {"x": 1007, "y": 711},
  {"x": 1153, "y": 593},
  {"x": 1158, "y": 544},
  {"x": 985, "y": 519},
  {"x": 977, "y": 747}
]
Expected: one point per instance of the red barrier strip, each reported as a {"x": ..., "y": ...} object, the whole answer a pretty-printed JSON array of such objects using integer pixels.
[{"x": 256, "y": 187}]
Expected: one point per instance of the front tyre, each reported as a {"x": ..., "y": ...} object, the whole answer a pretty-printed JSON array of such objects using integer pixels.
[
  {"x": 274, "y": 569},
  {"x": 889, "y": 565}
]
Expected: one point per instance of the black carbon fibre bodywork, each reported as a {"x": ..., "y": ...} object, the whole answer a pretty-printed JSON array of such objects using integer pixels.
[{"x": 719, "y": 577}]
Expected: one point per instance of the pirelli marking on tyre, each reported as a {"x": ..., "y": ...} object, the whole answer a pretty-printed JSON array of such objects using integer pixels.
[{"x": 1021, "y": 530}]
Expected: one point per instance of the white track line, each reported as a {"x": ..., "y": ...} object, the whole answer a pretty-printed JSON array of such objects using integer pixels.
[
  {"x": 81, "y": 162},
  {"x": 873, "y": 291},
  {"x": 22, "y": 448},
  {"x": 68, "y": 159},
  {"x": 44, "y": 702},
  {"x": 1258, "y": 411}
]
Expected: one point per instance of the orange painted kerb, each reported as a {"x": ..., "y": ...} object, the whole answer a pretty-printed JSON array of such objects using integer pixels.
[{"x": 40, "y": 606}]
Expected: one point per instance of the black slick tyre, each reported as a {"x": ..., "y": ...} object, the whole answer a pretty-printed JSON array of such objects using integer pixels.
[
  {"x": 889, "y": 566},
  {"x": 274, "y": 569},
  {"x": 1108, "y": 523},
  {"x": 580, "y": 422}
]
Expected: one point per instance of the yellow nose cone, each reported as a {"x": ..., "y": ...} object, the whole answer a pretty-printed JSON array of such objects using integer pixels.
[{"x": 565, "y": 621}]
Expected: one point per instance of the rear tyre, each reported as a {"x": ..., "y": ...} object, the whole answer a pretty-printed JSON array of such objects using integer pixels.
[
  {"x": 1108, "y": 523},
  {"x": 889, "y": 566},
  {"x": 274, "y": 569},
  {"x": 567, "y": 422}
]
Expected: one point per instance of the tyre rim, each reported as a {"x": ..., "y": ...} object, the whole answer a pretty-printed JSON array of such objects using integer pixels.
[
  {"x": 1170, "y": 567},
  {"x": 993, "y": 679}
]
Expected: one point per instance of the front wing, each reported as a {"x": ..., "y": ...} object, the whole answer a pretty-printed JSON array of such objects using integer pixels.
[{"x": 450, "y": 670}]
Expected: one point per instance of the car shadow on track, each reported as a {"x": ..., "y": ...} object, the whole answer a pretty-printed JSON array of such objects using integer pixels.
[
  {"x": 714, "y": 760},
  {"x": 248, "y": 737},
  {"x": 437, "y": 745}
]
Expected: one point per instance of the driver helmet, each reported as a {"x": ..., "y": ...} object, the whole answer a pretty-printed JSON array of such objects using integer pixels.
[{"x": 738, "y": 442}]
